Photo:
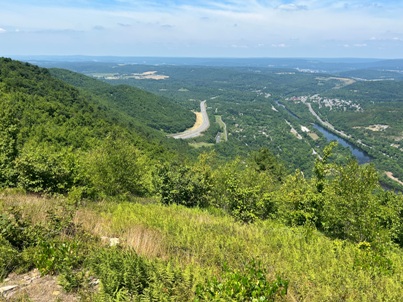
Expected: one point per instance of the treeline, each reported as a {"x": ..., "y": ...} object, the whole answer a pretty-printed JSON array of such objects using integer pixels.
[{"x": 342, "y": 201}]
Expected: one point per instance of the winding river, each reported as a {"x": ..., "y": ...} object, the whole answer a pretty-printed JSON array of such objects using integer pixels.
[
  {"x": 361, "y": 156},
  {"x": 288, "y": 110}
]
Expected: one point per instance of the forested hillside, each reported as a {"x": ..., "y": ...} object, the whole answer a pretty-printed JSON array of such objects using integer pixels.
[
  {"x": 75, "y": 168},
  {"x": 55, "y": 138},
  {"x": 149, "y": 109}
]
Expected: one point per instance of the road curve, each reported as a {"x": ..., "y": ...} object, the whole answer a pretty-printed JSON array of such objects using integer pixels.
[{"x": 195, "y": 131}]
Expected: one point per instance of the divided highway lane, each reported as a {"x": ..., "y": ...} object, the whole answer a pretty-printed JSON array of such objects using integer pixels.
[{"x": 196, "y": 131}]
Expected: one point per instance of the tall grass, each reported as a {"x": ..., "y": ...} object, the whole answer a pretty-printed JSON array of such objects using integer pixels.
[
  {"x": 208, "y": 244},
  {"x": 318, "y": 268}
]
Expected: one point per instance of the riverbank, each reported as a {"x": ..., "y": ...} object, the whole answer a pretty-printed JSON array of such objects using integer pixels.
[{"x": 346, "y": 140}]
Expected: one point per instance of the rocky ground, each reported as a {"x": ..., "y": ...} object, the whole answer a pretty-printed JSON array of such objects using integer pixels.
[{"x": 32, "y": 287}]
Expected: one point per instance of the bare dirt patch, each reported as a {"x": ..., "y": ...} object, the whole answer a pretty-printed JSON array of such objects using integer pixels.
[
  {"x": 150, "y": 75},
  {"x": 295, "y": 133},
  {"x": 199, "y": 121},
  {"x": 32, "y": 287},
  {"x": 343, "y": 81},
  {"x": 375, "y": 128},
  {"x": 398, "y": 138},
  {"x": 313, "y": 135},
  {"x": 201, "y": 125},
  {"x": 390, "y": 175}
]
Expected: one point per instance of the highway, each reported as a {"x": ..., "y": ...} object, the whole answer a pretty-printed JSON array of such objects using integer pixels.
[{"x": 196, "y": 130}]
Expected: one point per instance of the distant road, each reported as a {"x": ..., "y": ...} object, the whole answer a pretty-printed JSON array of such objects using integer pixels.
[
  {"x": 327, "y": 124},
  {"x": 224, "y": 135},
  {"x": 199, "y": 127}
]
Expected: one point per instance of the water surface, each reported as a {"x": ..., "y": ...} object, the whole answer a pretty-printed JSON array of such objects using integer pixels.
[{"x": 360, "y": 155}]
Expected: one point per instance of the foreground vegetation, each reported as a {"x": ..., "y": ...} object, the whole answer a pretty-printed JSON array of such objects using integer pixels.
[
  {"x": 189, "y": 229},
  {"x": 179, "y": 254}
]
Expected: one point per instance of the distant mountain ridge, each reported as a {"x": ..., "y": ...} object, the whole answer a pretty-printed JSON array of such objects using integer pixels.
[{"x": 317, "y": 64}]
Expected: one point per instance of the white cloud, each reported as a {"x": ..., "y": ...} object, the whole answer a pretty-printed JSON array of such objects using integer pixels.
[
  {"x": 280, "y": 45},
  {"x": 2, "y": 30},
  {"x": 239, "y": 46},
  {"x": 292, "y": 7},
  {"x": 99, "y": 27}
]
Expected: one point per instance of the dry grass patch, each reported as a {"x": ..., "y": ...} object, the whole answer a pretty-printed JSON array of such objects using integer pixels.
[
  {"x": 198, "y": 123},
  {"x": 200, "y": 145},
  {"x": 32, "y": 206},
  {"x": 313, "y": 135},
  {"x": 93, "y": 222},
  {"x": 145, "y": 241}
]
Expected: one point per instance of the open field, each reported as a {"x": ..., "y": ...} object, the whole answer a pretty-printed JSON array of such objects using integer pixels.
[
  {"x": 201, "y": 144},
  {"x": 223, "y": 127}
]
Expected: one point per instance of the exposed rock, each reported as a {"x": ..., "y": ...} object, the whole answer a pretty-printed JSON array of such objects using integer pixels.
[
  {"x": 7, "y": 288},
  {"x": 111, "y": 241},
  {"x": 114, "y": 241}
]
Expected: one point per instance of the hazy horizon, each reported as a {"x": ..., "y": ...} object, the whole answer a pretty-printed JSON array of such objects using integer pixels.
[{"x": 203, "y": 29}]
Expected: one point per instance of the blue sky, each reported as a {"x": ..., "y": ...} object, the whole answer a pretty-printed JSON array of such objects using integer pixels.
[{"x": 226, "y": 28}]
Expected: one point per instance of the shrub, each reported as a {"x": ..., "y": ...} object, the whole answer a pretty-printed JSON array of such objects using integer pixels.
[
  {"x": 44, "y": 168},
  {"x": 56, "y": 247},
  {"x": 250, "y": 284},
  {"x": 17, "y": 231},
  {"x": 243, "y": 192},
  {"x": 184, "y": 184},
  {"x": 117, "y": 168},
  {"x": 58, "y": 256},
  {"x": 298, "y": 202},
  {"x": 9, "y": 258}
]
